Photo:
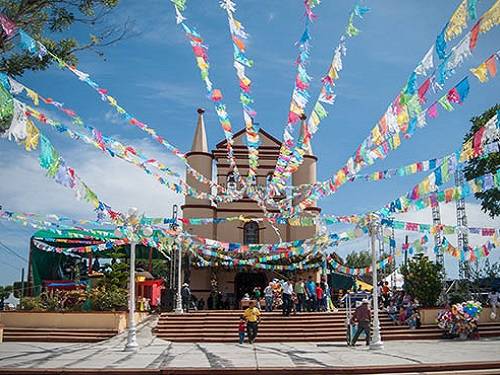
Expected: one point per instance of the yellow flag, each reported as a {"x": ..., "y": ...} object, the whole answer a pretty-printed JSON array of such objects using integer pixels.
[
  {"x": 481, "y": 72},
  {"x": 491, "y": 18},
  {"x": 33, "y": 96},
  {"x": 458, "y": 22},
  {"x": 32, "y": 136}
]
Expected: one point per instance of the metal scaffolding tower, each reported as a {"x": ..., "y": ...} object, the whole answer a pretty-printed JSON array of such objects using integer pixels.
[
  {"x": 462, "y": 233},
  {"x": 436, "y": 220}
]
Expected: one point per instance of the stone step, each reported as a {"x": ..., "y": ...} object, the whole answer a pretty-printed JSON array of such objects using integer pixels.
[{"x": 57, "y": 334}]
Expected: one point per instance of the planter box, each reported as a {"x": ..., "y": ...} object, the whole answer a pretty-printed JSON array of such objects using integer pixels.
[
  {"x": 429, "y": 315},
  {"x": 72, "y": 320}
]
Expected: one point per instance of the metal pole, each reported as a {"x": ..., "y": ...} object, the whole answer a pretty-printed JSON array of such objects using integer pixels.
[
  {"x": 178, "y": 307},
  {"x": 22, "y": 282},
  {"x": 376, "y": 341},
  {"x": 132, "y": 329}
]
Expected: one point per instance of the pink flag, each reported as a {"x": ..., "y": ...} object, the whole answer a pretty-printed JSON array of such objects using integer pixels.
[
  {"x": 8, "y": 26},
  {"x": 432, "y": 111}
]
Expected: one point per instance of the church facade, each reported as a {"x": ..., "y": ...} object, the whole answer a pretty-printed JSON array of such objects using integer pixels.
[{"x": 215, "y": 165}]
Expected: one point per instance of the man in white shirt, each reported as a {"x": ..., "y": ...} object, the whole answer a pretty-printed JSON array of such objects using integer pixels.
[
  {"x": 268, "y": 295},
  {"x": 287, "y": 297}
]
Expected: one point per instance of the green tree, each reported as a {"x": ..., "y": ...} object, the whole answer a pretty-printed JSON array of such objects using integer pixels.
[
  {"x": 423, "y": 280},
  {"x": 490, "y": 200},
  {"x": 358, "y": 259},
  {"x": 44, "y": 19},
  {"x": 5, "y": 292}
]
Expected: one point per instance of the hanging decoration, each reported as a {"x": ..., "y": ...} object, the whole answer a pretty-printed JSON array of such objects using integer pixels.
[
  {"x": 113, "y": 149},
  {"x": 487, "y": 69},
  {"x": 17, "y": 88},
  {"x": 433, "y": 229},
  {"x": 381, "y": 265},
  {"x": 300, "y": 97},
  {"x": 469, "y": 253},
  {"x": 403, "y": 115},
  {"x": 34, "y": 46},
  {"x": 326, "y": 96},
  {"x": 106, "y": 246},
  {"x": 240, "y": 63},
  {"x": 200, "y": 51}
]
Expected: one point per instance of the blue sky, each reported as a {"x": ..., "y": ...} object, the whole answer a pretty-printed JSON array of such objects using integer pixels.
[{"x": 154, "y": 76}]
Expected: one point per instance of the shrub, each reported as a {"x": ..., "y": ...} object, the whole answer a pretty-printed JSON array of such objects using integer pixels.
[{"x": 111, "y": 298}]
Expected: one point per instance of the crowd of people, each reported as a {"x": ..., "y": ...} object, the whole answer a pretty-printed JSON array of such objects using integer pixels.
[
  {"x": 401, "y": 307},
  {"x": 293, "y": 296}
]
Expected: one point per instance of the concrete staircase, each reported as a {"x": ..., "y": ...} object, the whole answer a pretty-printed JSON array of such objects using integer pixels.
[
  {"x": 57, "y": 334},
  {"x": 222, "y": 326}
]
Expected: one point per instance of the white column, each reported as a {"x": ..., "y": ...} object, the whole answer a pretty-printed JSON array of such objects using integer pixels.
[
  {"x": 376, "y": 340},
  {"x": 132, "y": 329}
]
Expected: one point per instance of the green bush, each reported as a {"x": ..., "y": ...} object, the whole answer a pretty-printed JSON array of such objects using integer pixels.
[
  {"x": 110, "y": 298},
  {"x": 32, "y": 304}
]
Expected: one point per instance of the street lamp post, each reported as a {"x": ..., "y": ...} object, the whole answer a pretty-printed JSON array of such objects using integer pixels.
[
  {"x": 177, "y": 248},
  {"x": 132, "y": 329},
  {"x": 133, "y": 229},
  {"x": 376, "y": 341}
]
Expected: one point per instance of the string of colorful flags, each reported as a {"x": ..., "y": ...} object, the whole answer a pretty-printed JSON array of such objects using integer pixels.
[
  {"x": 295, "y": 153},
  {"x": 200, "y": 51},
  {"x": 240, "y": 63},
  {"x": 17, "y": 88},
  {"x": 36, "y": 47},
  {"x": 357, "y": 271},
  {"x": 405, "y": 114},
  {"x": 300, "y": 94}
]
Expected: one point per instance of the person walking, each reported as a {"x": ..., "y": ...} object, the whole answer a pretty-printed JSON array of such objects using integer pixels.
[
  {"x": 252, "y": 317},
  {"x": 362, "y": 315},
  {"x": 300, "y": 291},
  {"x": 268, "y": 296},
  {"x": 287, "y": 297},
  {"x": 186, "y": 297},
  {"x": 241, "y": 329}
]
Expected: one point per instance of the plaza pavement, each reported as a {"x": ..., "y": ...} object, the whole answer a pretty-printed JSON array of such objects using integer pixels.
[{"x": 155, "y": 353}]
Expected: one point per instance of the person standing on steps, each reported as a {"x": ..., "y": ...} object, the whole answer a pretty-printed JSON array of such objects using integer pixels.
[
  {"x": 186, "y": 297},
  {"x": 268, "y": 295},
  {"x": 300, "y": 291},
  {"x": 252, "y": 316},
  {"x": 287, "y": 297},
  {"x": 362, "y": 315}
]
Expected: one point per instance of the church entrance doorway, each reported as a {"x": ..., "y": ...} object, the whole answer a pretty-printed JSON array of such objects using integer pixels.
[{"x": 245, "y": 282}]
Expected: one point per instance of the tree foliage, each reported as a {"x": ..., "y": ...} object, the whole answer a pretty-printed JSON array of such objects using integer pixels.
[
  {"x": 5, "y": 292},
  {"x": 490, "y": 200},
  {"x": 423, "y": 280},
  {"x": 44, "y": 19},
  {"x": 358, "y": 259}
]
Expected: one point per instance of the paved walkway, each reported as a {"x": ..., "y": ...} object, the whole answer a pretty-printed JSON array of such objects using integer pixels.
[{"x": 156, "y": 353}]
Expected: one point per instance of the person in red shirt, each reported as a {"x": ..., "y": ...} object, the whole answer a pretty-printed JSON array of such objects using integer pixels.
[
  {"x": 241, "y": 329},
  {"x": 362, "y": 316},
  {"x": 319, "y": 296}
]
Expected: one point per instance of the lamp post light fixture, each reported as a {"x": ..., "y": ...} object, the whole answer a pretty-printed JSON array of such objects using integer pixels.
[
  {"x": 376, "y": 340},
  {"x": 134, "y": 230}
]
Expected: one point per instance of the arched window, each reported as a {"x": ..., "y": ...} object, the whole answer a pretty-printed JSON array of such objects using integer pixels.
[{"x": 250, "y": 233}]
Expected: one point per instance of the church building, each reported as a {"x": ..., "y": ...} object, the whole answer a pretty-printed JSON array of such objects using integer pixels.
[{"x": 215, "y": 165}]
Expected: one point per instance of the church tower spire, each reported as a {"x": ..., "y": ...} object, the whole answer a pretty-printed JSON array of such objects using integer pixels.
[
  {"x": 200, "y": 143},
  {"x": 200, "y": 159}
]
